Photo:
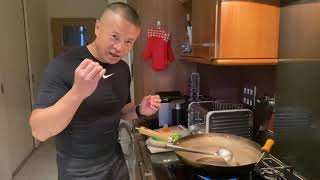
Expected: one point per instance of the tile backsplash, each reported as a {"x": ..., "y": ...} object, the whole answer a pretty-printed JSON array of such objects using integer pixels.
[{"x": 226, "y": 83}]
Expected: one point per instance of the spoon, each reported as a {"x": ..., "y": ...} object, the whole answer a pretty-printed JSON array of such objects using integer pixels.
[
  {"x": 107, "y": 76},
  {"x": 226, "y": 154}
]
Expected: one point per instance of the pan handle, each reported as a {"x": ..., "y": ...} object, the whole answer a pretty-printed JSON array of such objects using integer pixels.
[
  {"x": 151, "y": 133},
  {"x": 266, "y": 149}
]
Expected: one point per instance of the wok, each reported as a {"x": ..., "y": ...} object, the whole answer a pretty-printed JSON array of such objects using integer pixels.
[{"x": 246, "y": 152}]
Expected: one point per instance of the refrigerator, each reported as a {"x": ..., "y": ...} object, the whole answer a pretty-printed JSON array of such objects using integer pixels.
[{"x": 297, "y": 107}]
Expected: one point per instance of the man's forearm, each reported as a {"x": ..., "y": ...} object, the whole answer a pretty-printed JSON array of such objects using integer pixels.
[{"x": 50, "y": 121}]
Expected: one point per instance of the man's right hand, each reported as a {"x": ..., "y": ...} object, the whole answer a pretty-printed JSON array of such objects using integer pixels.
[{"x": 86, "y": 78}]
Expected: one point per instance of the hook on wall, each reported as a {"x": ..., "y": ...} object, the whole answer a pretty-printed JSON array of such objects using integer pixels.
[{"x": 158, "y": 24}]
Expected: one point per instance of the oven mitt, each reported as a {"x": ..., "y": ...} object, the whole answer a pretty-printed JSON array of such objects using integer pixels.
[{"x": 158, "y": 49}]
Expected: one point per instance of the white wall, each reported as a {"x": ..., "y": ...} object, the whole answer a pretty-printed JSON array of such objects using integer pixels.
[
  {"x": 37, "y": 41},
  {"x": 36, "y": 22}
]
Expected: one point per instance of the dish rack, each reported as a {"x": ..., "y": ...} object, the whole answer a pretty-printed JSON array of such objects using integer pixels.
[{"x": 220, "y": 117}]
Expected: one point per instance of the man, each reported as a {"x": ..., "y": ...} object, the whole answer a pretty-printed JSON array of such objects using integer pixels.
[{"x": 82, "y": 109}]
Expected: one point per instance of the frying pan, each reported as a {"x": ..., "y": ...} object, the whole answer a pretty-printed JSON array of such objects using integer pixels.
[{"x": 247, "y": 153}]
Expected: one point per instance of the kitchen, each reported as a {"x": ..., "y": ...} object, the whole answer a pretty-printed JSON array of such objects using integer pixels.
[{"x": 290, "y": 81}]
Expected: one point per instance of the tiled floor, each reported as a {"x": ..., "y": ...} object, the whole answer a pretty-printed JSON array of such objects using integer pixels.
[{"x": 41, "y": 165}]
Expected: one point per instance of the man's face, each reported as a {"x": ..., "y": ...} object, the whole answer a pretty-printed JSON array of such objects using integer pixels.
[{"x": 115, "y": 37}]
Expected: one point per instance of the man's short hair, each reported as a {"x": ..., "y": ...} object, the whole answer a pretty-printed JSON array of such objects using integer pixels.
[{"x": 124, "y": 10}]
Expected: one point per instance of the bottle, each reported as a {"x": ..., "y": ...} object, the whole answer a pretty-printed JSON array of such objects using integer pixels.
[{"x": 176, "y": 113}]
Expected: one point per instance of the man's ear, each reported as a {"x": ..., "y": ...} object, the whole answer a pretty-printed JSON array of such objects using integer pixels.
[{"x": 97, "y": 26}]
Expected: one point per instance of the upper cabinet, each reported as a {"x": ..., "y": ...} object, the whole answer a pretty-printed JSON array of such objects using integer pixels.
[{"x": 230, "y": 32}]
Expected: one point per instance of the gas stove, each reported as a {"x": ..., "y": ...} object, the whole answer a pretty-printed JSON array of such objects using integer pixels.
[{"x": 270, "y": 168}]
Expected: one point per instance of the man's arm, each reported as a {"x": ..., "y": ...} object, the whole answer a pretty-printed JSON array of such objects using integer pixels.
[
  {"x": 148, "y": 106},
  {"x": 50, "y": 121},
  {"x": 128, "y": 112}
]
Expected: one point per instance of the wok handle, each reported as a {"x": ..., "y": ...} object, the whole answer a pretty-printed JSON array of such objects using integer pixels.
[
  {"x": 179, "y": 148},
  {"x": 267, "y": 146},
  {"x": 152, "y": 133},
  {"x": 266, "y": 149}
]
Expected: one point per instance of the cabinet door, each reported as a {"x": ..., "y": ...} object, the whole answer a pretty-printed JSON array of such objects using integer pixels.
[
  {"x": 203, "y": 28},
  {"x": 15, "y": 71},
  {"x": 300, "y": 31},
  {"x": 5, "y": 168},
  {"x": 248, "y": 29}
]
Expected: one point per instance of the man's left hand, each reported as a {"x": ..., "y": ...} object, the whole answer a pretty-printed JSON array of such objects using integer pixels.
[{"x": 150, "y": 105}]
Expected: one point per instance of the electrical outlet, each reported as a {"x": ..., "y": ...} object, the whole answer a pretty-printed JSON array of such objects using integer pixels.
[{"x": 249, "y": 95}]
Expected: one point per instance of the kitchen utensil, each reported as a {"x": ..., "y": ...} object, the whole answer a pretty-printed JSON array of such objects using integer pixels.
[
  {"x": 223, "y": 153},
  {"x": 107, "y": 76},
  {"x": 151, "y": 133}
]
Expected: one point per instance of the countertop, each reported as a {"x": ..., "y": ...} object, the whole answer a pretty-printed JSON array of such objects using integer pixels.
[{"x": 152, "y": 166}]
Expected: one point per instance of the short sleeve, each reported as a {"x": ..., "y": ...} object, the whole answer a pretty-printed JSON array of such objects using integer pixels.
[
  {"x": 129, "y": 80},
  {"x": 53, "y": 85}
]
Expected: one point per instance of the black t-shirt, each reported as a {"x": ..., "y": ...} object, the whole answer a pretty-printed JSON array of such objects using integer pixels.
[{"x": 93, "y": 131}]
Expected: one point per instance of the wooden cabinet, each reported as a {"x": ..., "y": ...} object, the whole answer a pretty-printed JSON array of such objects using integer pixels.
[
  {"x": 203, "y": 27},
  {"x": 227, "y": 32}
]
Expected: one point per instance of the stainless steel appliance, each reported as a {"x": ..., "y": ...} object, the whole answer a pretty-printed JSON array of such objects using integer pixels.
[
  {"x": 220, "y": 117},
  {"x": 165, "y": 111}
]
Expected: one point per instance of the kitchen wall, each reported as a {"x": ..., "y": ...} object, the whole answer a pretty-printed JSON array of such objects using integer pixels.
[
  {"x": 226, "y": 83},
  {"x": 175, "y": 77}
]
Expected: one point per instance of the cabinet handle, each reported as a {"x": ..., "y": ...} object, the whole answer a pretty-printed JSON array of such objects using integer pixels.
[
  {"x": 2, "y": 89},
  {"x": 204, "y": 44}
]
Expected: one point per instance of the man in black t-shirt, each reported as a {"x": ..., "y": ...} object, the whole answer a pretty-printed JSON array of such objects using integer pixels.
[{"x": 81, "y": 109}]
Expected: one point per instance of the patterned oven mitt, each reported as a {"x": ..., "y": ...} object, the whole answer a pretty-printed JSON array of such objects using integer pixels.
[{"x": 158, "y": 48}]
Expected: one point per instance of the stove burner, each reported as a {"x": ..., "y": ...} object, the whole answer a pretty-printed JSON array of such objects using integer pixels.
[
  {"x": 206, "y": 178},
  {"x": 273, "y": 169},
  {"x": 269, "y": 168},
  {"x": 272, "y": 174}
]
